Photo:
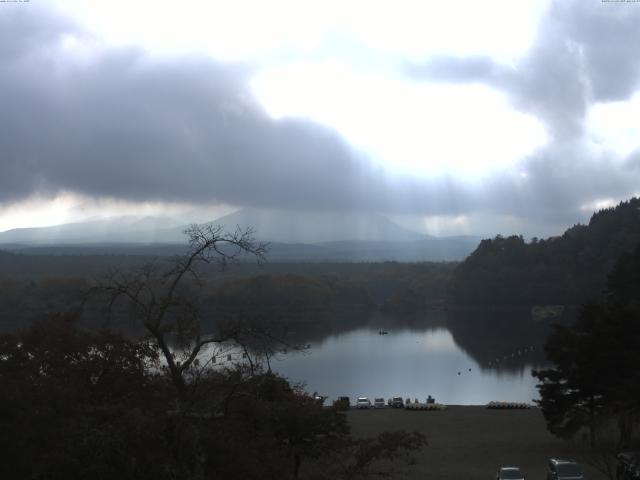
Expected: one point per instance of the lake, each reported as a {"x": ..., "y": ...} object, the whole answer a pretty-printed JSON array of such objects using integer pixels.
[
  {"x": 458, "y": 356},
  {"x": 411, "y": 362}
]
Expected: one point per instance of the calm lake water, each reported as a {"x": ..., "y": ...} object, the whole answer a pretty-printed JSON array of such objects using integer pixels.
[
  {"x": 459, "y": 358},
  {"x": 410, "y": 363}
]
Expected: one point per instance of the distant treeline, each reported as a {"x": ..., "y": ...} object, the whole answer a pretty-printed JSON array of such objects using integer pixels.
[
  {"x": 277, "y": 292},
  {"x": 569, "y": 269}
]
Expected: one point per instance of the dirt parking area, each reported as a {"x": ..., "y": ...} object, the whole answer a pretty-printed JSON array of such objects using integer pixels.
[{"x": 468, "y": 442}]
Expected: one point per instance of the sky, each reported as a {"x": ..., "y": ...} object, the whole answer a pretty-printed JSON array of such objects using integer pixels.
[{"x": 461, "y": 117}]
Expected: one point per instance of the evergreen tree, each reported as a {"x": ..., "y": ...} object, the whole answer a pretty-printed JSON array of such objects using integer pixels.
[{"x": 595, "y": 376}]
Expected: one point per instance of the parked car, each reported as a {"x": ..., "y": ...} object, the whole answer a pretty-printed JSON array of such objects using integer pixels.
[
  {"x": 558, "y": 469},
  {"x": 397, "y": 402},
  {"x": 363, "y": 402},
  {"x": 379, "y": 403},
  {"x": 509, "y": 473}
]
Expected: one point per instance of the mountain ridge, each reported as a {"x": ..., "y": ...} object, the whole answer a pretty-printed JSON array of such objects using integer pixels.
[{"x": 268, "y": 225}]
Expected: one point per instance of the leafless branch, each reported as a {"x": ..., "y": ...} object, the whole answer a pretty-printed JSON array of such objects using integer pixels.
[{"x": 158, "y": 305}]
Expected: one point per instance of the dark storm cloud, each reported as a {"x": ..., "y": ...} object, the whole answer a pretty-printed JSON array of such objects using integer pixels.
[
  {"x": 23, "y": 33},
  {"x": 633, "y": 162},
  {"x": 549, "y": 82},
  {"x": 557, "y": 183},
  {"x": 585, "y": 52},
  {"x": 608, "y": 36},
  {"x": 121, "y": 123}
]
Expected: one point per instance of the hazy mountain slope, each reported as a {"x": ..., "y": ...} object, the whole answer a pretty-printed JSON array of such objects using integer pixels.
[
  {"x": 316, "y": 227},
  {"x": 436, "y": 249},
  {"x": 115, "y": 230},
  {"x": 274, "y": 226},
  {"x": 294, "y": 237}
]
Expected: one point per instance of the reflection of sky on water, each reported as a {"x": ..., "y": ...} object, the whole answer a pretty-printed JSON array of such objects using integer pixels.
[{"x": 405, "y": 362}]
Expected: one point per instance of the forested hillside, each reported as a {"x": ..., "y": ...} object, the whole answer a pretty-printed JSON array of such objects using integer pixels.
[{"x": 559, "y": 270}]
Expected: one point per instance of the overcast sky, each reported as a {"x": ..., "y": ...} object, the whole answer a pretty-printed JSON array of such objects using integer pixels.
[{"x": 477, "y": 117}]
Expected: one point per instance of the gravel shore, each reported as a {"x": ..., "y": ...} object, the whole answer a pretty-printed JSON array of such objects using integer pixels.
[{"x": 472, "y": 442}]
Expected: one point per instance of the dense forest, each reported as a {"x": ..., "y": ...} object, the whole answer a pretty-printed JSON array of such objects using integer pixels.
[
  {"x": 592, "y": 382},
  {"x": 36, "y": 286},
  {"x": 567, "y": 270}
]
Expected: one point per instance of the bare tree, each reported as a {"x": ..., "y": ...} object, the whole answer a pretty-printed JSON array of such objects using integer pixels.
[
  {"x": 207, "y": 421},
  {"x": 162, "y": 302}
]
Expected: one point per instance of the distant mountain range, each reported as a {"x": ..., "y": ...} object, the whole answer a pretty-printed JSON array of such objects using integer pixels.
[
  {"x": 318, "y": 227},
  {"x": 110, "y": 230},
  {"x": 293, "y": 236}
]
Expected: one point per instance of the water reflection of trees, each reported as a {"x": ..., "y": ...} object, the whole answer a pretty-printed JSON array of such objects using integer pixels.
[
  {"x": 324, "y": 326},
  {"x": 502, "y": 339}
]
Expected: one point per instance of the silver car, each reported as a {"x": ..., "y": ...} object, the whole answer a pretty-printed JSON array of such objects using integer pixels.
[
  {"x": 363, "y": 402},
  {"x": 563, "y": 470},
  {"x": 379, "y": 403},
  {"x": 509, "y": 473}
]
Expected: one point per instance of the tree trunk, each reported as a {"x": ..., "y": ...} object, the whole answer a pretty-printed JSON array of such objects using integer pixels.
[
  {"x": 296, "y": 466},
  {"x": 592, "y": 423},
  {"x": 176, "y": 374},
  {"x": 624, "y": 427}
]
